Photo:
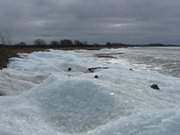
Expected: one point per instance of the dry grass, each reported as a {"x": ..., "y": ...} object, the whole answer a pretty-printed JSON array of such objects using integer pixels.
[{"x": 7, "y": 52}]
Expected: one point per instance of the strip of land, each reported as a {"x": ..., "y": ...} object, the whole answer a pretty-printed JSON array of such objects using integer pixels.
[{"x": 7, "y": 52}]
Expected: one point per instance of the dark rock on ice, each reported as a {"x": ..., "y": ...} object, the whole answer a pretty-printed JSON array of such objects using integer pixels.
[
  {"x": 96, "y": 76},
  {"x": 131, "y": 69},
  {"x": 96, "y": 68},
  {"x": 155, "y": 87},
  {"x": 69, "y": 69}
]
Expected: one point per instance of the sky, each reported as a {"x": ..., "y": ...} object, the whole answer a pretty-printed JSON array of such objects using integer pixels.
[{"x": 127, "y": 21}]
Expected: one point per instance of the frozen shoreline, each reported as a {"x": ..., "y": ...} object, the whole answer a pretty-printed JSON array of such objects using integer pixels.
[{"x": 48, "y": 99}]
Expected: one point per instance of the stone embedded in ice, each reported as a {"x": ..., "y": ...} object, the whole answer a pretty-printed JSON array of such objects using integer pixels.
[
  {"x": 96, "y": 76},
  {"x": 155, "y": 87}
]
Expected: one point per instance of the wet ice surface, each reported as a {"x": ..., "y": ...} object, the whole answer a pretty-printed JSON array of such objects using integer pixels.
[
  {"x": 164, "y": 60},
  {"x": 44, "y": 98}
]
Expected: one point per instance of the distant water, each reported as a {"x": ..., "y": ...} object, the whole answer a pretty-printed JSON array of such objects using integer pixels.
[{"x": 165, "y": 60}]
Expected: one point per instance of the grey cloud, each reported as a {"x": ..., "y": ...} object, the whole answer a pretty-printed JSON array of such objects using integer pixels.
[{"x": 130, "y": 21}]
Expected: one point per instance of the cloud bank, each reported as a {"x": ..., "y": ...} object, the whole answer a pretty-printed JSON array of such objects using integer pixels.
[{"x": 129, "y": 21}]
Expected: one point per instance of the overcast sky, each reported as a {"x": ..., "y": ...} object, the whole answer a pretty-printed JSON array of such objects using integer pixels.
[{"x": 129, "y": 21}]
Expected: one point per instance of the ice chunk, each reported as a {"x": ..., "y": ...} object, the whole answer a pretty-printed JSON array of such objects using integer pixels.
[{"x": 76, "y": 105}]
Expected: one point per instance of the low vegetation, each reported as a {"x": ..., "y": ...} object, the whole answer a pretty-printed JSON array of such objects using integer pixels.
[{"x": 8, "y": 52}]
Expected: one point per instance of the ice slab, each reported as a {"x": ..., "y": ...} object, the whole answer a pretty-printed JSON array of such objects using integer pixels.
[{"x": 43, "y": 97}]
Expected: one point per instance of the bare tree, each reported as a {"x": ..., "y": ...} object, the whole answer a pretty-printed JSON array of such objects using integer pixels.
[
  {"x": 39, "y": 42},
  {"x": 5, "y": 38},
  {"x": 55, "y": 43},
  {"x": 2, "y": 39}
]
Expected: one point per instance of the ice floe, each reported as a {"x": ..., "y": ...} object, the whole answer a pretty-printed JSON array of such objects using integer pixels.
[{"x": 44, "y": 98}]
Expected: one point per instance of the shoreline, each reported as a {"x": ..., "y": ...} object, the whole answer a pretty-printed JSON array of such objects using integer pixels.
[{"x": 7, "y": 52}]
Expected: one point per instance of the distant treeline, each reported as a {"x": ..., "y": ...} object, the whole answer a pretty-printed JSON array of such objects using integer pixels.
[
  {"x": 66, "y": 43},
  {"x": 154, "y": 45},
  {"x": 73, "y": 44}
]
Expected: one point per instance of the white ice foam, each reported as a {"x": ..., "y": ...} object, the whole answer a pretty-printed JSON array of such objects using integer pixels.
[{"x": 45, "y": 98}]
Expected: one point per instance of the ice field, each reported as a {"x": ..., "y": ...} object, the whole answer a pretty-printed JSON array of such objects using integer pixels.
[{"x": 43, "y": 97}]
